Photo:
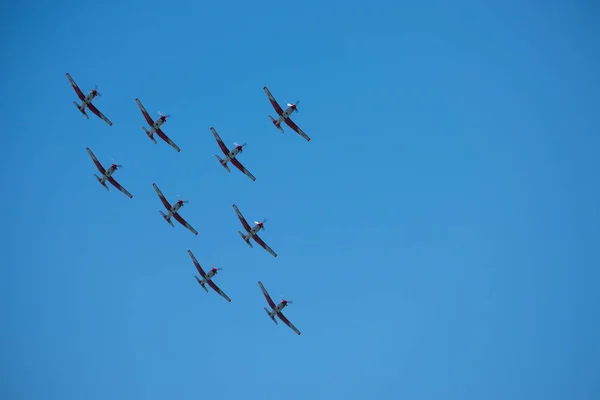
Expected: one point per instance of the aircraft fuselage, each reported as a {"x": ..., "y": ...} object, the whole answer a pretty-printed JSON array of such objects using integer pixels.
[
  {"x": 277, "y": 309},
  {"x": 232, "y": 155},
  {"x": 107, "y": 174},
  {"x": 208, "y": 276},
  {"x": 173, "y": 210},
  {"x": 286, "y": 114},
  {"x": 88, "y": 100},
  {"x": 157, "y": 124}
]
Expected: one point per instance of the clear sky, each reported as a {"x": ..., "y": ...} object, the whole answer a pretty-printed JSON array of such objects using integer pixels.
[{"x": 439, "y": 235}]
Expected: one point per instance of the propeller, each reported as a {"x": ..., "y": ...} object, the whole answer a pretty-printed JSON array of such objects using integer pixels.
[
  {"x": 183, "y": 201},
  {"x": 217, "y": 269},
  {"x": 115, "y": 164},
  {"x": 241, "y": 146},
  {"x": 163, "y": 115},
  {"x": 295, "y": 105},
  {"x": 262, "y": 223},
  {"x": 96, "y": 90},
  {"x": 287, "y": 301}
]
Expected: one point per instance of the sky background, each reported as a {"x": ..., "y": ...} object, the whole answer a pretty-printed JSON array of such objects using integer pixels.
[{"x": 439, "y": 235}]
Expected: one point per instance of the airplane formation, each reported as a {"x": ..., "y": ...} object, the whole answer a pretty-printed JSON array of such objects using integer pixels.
[{"x": 173, "y": 210}]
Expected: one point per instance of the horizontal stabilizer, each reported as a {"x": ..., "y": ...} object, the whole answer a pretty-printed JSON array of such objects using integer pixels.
[
  {"x": 223, "y": 163},
  {"x": 102, "y": 183},
  {"x": 167, "y": 218},
  {"x": 270, "y": 316},
  {"x": 245, "y": 240},
  {"x": 81, "y": 109}
]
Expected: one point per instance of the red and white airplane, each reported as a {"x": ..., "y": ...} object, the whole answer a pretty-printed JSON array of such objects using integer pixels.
[
  {"x": 284, "y": 116},
  {"x": 107, "y": 174},
  {"x": 155, "y": 126},
  {"x": 277, "y": 309},
  {"x": 207, "y": 277},
  {"x": 173, "y": 211},
  {"x": 86, "y": 101},
  {"x": 231, "y": 155},
  {"x": 253, "y": 232}
]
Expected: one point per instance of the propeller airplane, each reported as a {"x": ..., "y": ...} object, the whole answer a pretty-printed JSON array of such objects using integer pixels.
[
  {"x": 155, "y": 126},
  {"x": 284, "y": 116},
  {"x": 253, "y": 232},
  {"x": 230, "y": 156},
  {"x": 173, "y": 210},
  {"x": 277, "y": 309},
  {"x": 86, "y": 101},
  {"x": 107, "y": 174}
]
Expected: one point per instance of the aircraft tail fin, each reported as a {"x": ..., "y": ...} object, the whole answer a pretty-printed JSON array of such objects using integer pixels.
[
  {"x": 247, "y": 240},
  {"x": 81, "y": 109},
  {"x": 223, "y": 163},
  {"x": 201, "y": 284},
  {"x": 150, "y": 135},
  {"x": 100, "y": 181},
  {"x": 274, "y": 121},
  {"x": 167, "y": 218},
  {"x": 271, "y": 316}
]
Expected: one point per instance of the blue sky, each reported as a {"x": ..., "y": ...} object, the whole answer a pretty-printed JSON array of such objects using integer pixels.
[{"x": 439, "y": 235}]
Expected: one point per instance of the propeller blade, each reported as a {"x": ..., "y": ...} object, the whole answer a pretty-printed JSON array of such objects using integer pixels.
[{"x": 183, "y": 201}]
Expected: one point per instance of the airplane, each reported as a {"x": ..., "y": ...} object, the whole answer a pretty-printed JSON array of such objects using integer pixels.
[
  {"x": 207, "y": 277},
  {"x": 155, "y": 126},
  {"x": 173, "y": 211},
  {"x": 277, "y": 309},
  {"x": 253, "y": 232},
  {"x": 284, "y": 116},
  {"x": 231, "y": 155},
  {"x": 107, "y": 174},
  {"x": 86, "y": 101}
]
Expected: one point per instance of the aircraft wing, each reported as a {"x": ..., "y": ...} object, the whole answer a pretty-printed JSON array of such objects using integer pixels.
[
  {"x": 264, "y": 245},
  {"x": 197, "y": 264},
  {"x": 266, "y": 294},
  {"x": 162, "y": 197},
  {"x": 98, "y": 113},
  {"x": 76, "y": 88},
  {"x": 184, "y": 223},
  {"x": 118, "y": 186},
  {"x": 95, "y": 160},
  {"x": 274, "y": 103},
  {"x": 239, "y": 166},
  {"x": 143, "y": 110},
  {"x": 242, "y": 219},
  {"x": 224, "y": 148},
  {"x": 299, "y": 131},
  {"x": 216, "y": 289},
  {"x": 164, "y": 137},
  {"x": 287, "y": 322}
]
